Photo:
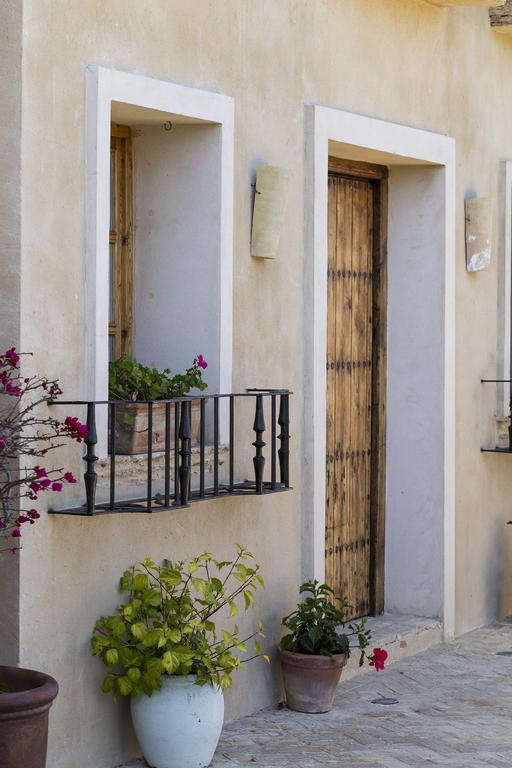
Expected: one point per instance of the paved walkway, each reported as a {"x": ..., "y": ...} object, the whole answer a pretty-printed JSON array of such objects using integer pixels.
[{"x": 454, "y": 710}]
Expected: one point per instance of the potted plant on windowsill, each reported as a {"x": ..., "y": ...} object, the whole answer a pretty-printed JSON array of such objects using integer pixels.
[
  {"x": 129, "y": 380},
  {"x": 162, "y": 648},
  {"x": 26, "y": 435},
  {"x": 317, "y": 648}
]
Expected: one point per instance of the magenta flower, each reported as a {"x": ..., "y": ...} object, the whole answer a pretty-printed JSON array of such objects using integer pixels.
[
  {"x": 2, "y": 444},
  {"x": 57, "y": 487},
  {"x": 34, "y": 514},
  {"x": 69, "y": 477},
  {"x": 16, "y": 533},
  {"x": 45, "y": 482},
  {"x": 14, "y": 550},
  {"x": 201, "y": 362},
  {"x": 40, "y": 472},
  {"x": 75, "y": 428},
  {"x": 36, "y": 487},
  {"x": 11, "y": 389},
  {"x": 3, "y": 524},
  {"x": 12, "y": 356},
  {"x": 22, "y": 519}
]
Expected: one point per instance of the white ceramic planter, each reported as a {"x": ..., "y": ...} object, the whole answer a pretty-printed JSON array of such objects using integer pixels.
[{"x": 179, "y": 726}]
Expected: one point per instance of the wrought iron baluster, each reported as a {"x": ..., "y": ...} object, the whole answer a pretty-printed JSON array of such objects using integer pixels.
[
  {"x": 185, "y": 452},
  {"x": 231, "y": 442},
  {"x": 167, "y": 470},
  {"x": 150, "y": 458},
  {"x": 284, "y": 437},
  {"x": 112, "y": 407},
  {"x": 216, "y": 446},
  {"x": 273, "y": 444},
  {"x": 259, "y": 444},
  {"x": 176, "y": 453},
  {"x": 90, "y": 458},
  {"x": 201, "y": 448}
]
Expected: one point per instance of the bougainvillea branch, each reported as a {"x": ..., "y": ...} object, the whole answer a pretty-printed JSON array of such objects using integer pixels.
[{"x": 26, "y": 435}]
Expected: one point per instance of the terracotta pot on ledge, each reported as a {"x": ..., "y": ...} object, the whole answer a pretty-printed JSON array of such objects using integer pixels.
[
  {"x": 24, "y": 717},
  {"x": 310, "y": 681}
]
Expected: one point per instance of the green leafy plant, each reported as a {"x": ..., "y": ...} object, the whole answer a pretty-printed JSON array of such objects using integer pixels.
[
  {"x": 130, "y": 380},
  {"x": 317, "y": 627},
  {"x": 166, "y": 625}
]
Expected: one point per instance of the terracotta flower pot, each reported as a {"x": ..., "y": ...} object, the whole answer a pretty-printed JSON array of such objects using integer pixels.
[
  {"x": 131, "y": 426},
  {"x": 310, "y": 681},
  {"x": 24, "y": 717}
]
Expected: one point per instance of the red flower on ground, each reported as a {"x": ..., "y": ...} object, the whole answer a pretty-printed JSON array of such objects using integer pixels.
[{"x": 378, "y": 658}]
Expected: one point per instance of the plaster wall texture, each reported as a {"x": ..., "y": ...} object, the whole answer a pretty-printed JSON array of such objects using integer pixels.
[
  {"x": 10, "y": 263},
  {"x": 400, "y": 60}
]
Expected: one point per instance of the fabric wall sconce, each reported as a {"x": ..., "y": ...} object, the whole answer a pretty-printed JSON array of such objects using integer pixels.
[
  {"x": 478, "y": 234},
  {"x": 270, "y": 199}
]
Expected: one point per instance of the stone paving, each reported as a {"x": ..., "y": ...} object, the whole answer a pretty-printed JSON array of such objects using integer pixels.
[{"x": 454, "y": 710}]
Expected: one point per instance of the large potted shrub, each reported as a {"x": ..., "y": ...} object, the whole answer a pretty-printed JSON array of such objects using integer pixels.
[
  {"x": 129, "y": 380},
  {"x": 26, "y": 438},
  {"x": 317, "y": 647},
  {"x": 163, "y": 648}
]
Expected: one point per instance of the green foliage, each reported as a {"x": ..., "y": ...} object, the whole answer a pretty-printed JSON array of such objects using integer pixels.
[
  {"x": 130, "y": 380},
  {"x": 317, "y": 626},
  {"x": 166, "y": 625}
]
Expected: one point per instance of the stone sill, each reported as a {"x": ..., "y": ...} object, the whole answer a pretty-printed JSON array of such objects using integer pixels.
[
  {"x": 131, "y": 472},
  {"x": 501, "y": 18},
  {"x": 467, "y": 3}
]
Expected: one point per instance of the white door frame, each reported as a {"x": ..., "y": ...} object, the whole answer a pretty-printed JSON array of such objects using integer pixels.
[{"x": 387, "y": 143}]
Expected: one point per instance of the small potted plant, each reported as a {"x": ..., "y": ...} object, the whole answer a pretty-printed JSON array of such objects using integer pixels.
[
  {"x": 129, "y": 380},
  {"x": 162, "y": 647},
  {"x": 317, "y": 648},
  {"x": 26, "y": 437}
]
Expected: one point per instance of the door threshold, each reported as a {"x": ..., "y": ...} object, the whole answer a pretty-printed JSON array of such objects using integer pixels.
[{"x": 400, "y": 636}]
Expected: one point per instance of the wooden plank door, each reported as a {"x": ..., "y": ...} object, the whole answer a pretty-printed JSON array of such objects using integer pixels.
[{"x": 354, "y": 535}]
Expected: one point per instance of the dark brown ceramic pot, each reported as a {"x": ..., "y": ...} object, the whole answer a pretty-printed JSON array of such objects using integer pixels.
[
  {"x": 24, "y": 717},
  {"x": 310, "y": 681}
]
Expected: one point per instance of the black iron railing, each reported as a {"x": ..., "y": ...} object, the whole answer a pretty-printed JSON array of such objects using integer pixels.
[{"x": 178, "y": 449}]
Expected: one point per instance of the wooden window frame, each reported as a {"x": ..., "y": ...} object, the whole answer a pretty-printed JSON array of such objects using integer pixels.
[
  {"x": 378, "y": 174},
  {"x": 121, "y": 238}
]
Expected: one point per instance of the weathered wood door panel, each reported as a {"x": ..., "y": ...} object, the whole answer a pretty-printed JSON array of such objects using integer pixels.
[{"x": 355, "y": 390}]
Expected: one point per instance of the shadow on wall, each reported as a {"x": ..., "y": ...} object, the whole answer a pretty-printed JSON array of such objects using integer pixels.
[{"x": 503, "y": 564}]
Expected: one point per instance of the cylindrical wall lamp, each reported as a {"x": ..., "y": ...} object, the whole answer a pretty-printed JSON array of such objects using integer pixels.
[
  {"x": 478, "y": 233},
  {"x": 272, "y": 185}
]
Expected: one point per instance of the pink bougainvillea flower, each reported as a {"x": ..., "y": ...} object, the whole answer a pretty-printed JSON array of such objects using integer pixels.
[
  {"x": 201, "y": 362},
  {"x": 22, "y": 519},
  {"x": 3, "y": 524},
  {"x": 69, "y": 477},
  {"x": 75, "y": 428},
  {"x": 378, "y": 658},
  {"x": 45, "y": 482},
  {"x": 36, "y": 487},
  {"x": 40, "y": 472},
  {"x": 57, "y": 487},
  {"x": 12, "y": 389},
  {"x": 14, "y": 550},
  {"x": 34, "y": 514},
  {"x": 16, "y": 533},
  {"x": 12, "y": 356},
  {"x": 2, "y": 444}
]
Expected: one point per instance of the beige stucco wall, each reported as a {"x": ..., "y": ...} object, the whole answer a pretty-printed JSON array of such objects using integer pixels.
[{"x": 401, "y": 60}]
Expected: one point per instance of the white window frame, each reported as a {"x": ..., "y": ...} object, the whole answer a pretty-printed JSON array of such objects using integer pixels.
[{"x": 104, "y": 86}]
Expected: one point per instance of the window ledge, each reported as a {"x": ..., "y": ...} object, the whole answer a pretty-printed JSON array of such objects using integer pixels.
[
  {"x": 481, "y": 3},
  {"x": 501, "y": 17}
]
